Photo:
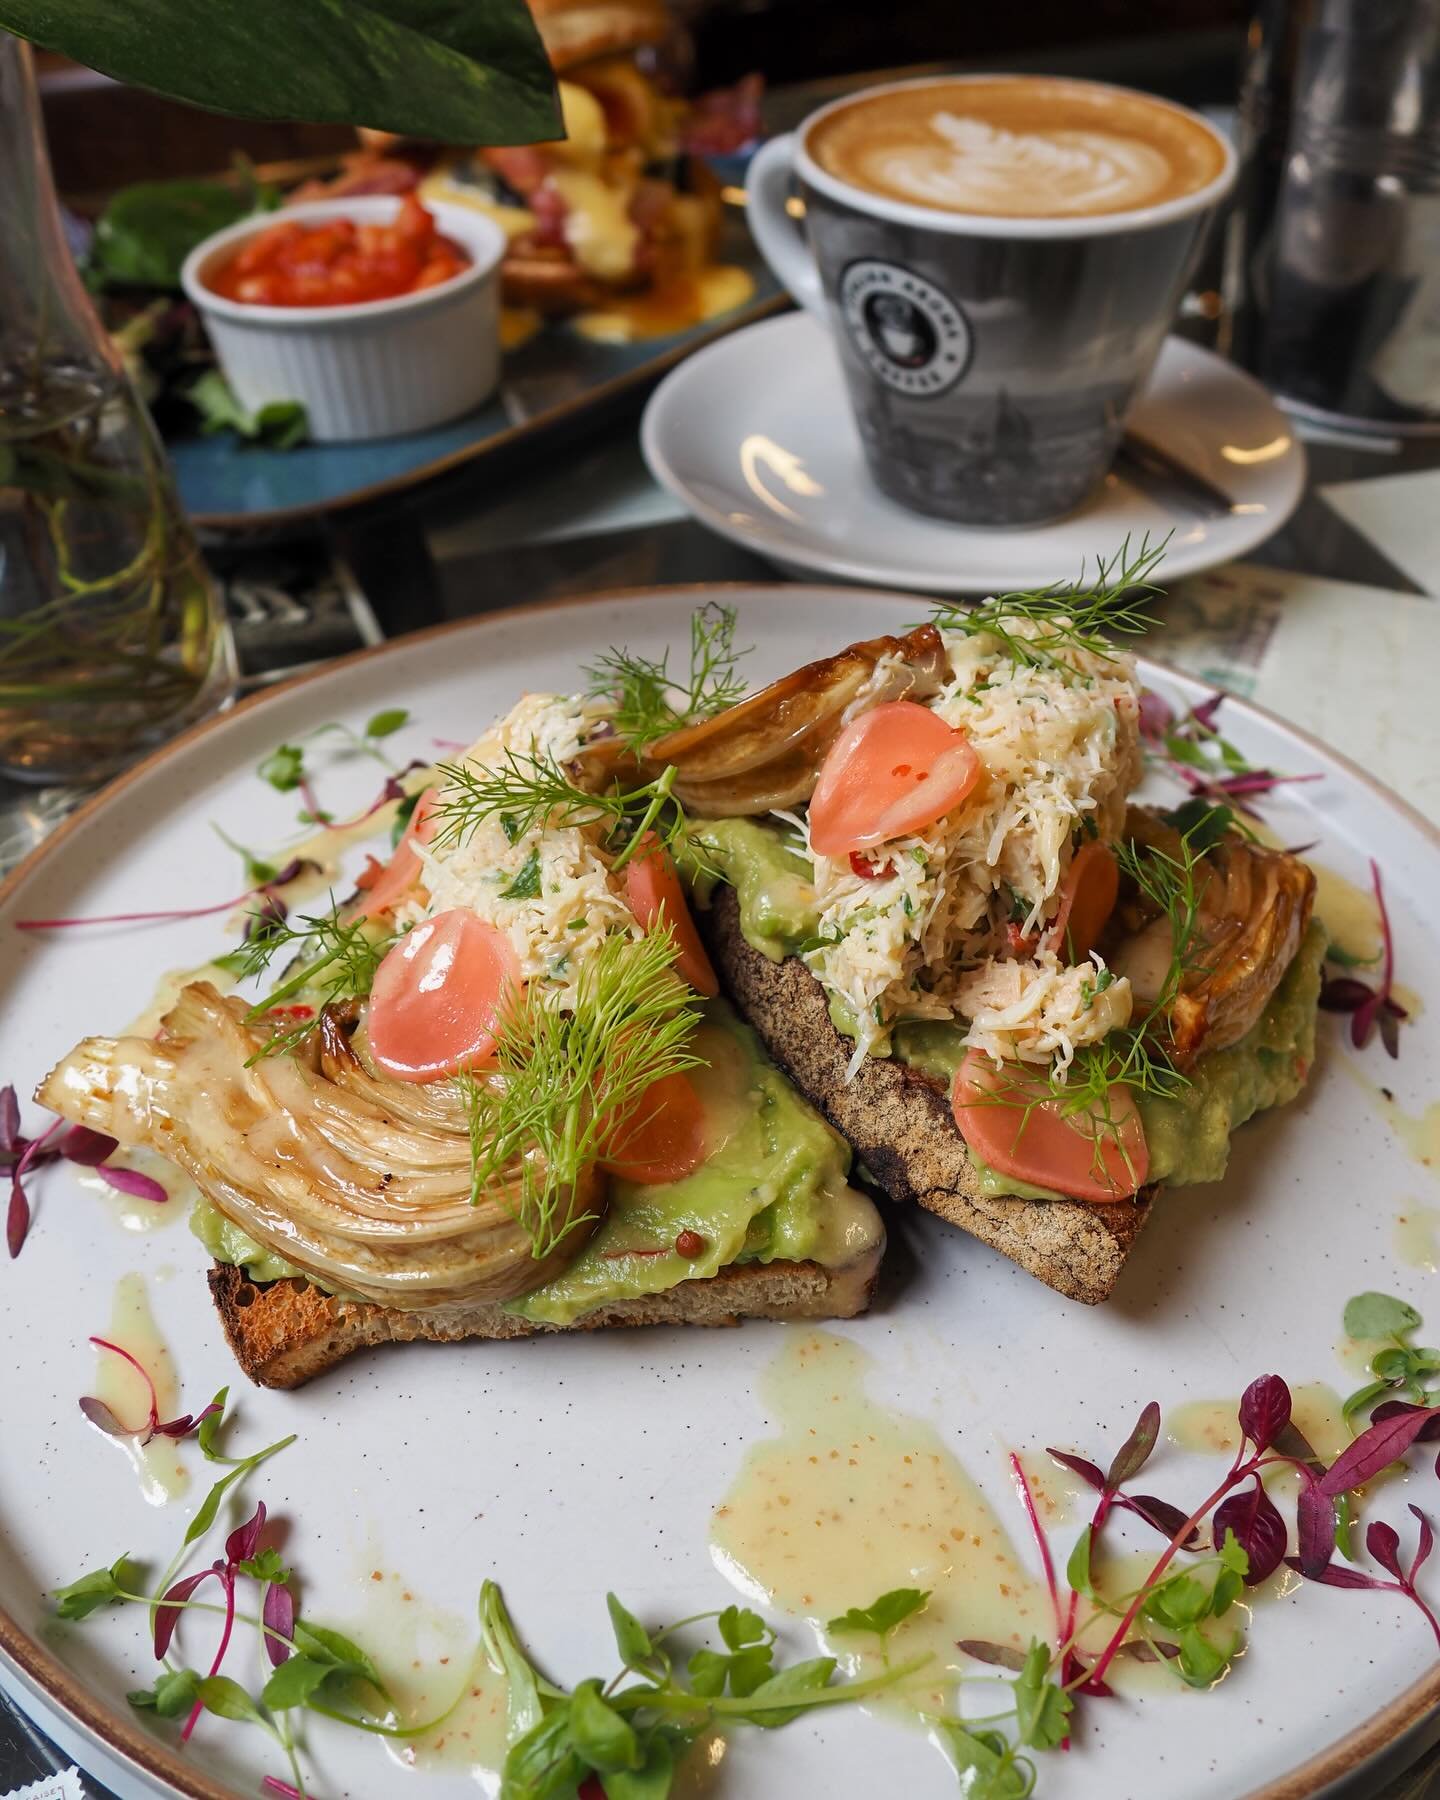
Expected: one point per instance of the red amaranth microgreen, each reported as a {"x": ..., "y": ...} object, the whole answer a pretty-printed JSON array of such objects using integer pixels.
[
  {"x": 268, "y": 892},
  {"x": 1369, "y": 1007},
  {"x": 103, "y": 1417},
  {"x": 1193, "y": 752},
  {"x": 21, "y": 1156},
  {"x": 642, "y": 1722}
]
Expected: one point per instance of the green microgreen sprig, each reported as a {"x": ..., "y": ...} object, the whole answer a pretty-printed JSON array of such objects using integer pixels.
[
  {"x": 569, "y": 1078},
  {"x": 1400, "y": 1370},
  {"x": 650, "y": 702}
]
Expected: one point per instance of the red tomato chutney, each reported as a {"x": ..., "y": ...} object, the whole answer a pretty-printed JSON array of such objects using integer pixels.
[{"x": 340, "y": 262}]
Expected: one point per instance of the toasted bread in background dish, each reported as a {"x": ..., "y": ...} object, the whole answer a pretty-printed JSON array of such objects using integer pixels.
[
  {"x": 284, "y": 1333},
  {"x": 579, "y": 33},
  {"x": 902, "y": 1129}
]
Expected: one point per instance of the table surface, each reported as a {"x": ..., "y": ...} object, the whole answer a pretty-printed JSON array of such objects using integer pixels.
[{"x": 1334, "y": 624}]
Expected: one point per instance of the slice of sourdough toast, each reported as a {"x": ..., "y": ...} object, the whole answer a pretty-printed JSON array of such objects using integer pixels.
[
  {"x": 286, "y": 1332},
  {"x": 901, "y": 1127}
]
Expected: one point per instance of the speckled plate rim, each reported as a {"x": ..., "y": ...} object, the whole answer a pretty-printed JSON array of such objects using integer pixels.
[{"x": 151, "y": 1760}]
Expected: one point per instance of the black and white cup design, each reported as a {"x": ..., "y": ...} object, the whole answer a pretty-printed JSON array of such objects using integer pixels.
[
  {"x": 909, "y": 333},
  {"x": 990, "y": 361}
]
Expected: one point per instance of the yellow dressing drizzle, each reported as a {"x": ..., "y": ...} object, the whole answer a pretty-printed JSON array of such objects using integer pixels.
[
  {"x": 132, "y": 1326},
  {"x": 851, "y": 1500},
  {"x": 1417, "y": 1236}
]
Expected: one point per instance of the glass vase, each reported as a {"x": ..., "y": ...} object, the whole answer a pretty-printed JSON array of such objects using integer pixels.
[{"x": 112, "y": 633}]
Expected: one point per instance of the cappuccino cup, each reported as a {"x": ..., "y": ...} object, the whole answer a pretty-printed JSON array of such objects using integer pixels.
[{"x": 998, "y": 259}]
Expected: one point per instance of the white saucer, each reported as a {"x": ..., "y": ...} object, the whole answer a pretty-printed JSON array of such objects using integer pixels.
[{"x": 754, "y": 436}]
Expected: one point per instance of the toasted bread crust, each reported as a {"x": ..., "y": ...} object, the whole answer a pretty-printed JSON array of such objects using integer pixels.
[
  {"x": 284, "y": 1333},
  {"x": 901, "y": 1126}
]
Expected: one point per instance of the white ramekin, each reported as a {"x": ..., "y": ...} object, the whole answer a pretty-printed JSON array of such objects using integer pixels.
[{"x": 374, "y": 369}]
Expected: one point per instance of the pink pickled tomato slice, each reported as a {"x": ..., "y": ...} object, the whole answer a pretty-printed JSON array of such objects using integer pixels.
[
  {"x": 438, "y": 997},
  {"x": 892, "y": 771},
  {"x": 1079, "y": 1156}
]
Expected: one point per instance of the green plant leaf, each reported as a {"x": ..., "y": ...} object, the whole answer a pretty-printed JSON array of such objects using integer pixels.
[
  {"x": 800, "y": 1680},
  {"x": 739, "y": 1626},
  {"x": 278, "y": 425},
  {"x": 219, "y": 1694},
  {"x": 523, "y": 1711},
  {"x": 1229, "y": 1585},
  {"x": 707, "y": 1670},
  {"x": 651, "y": 1781},
  {"x": 146, "y": 231},
  {"x": 1042, "y": 1707},
  {"x": 383, "y": 724},
  {"x": 599, "y": 1734},
  {"x": 988, "y": 1768},
  {"x": 292, "y": 1684},
  {"x": 1077, "y": 1570},
  {"x": 1373, "y": 1315},
  {"x": 1179, "y": 1601},
  {"x": 97, "y": 1589},
  {"x": 632, "y": 1640},
  {"x": 471, "y": 74},
  {"x": 320, "y": 1644},
  {"x": 1201, "y": 1663},
  {"x": 284, "y": 767},
  {"x": 172, "y": 1695},
  {"x": 884, "y": 1614},
  {"x": 267, "y": 1566},
  {"x": 1233, "y": 1554},
  {"x": 543, "y": 1764}
]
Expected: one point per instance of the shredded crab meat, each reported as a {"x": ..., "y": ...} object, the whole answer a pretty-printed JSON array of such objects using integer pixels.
[
  {"x": 580, "y": 903},
  {"x": 1061, "y": 750},
  {"x": 1042, "y": 1011}
]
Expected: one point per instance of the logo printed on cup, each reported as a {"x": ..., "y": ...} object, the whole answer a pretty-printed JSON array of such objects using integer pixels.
[{"x": 910, "y": 333}]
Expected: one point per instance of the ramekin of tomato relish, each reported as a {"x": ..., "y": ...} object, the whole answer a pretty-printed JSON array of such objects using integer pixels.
[
  {"x": 379, "y": 315},
  {"x": 340, "y": 261}
]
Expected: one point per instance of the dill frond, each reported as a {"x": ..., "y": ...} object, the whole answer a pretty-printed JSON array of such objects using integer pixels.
[
  {"x": 651, "y": 702},
  {"x": 337, "y": 961},
  {"x": 1070, "y": 618},
  {"x": 525, "y": 790},
  {"x": 571, "y": 1077}
]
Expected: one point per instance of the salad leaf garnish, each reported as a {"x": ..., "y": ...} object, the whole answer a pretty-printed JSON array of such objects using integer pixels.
[{"x": 882, "y": 1616}]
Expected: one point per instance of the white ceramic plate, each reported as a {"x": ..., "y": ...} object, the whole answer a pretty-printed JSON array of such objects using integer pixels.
[
  {"x": 754, "y": 435},
  {"x": 572, "y": 1465}
]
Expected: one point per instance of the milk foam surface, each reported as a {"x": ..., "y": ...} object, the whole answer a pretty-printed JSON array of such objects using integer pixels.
[{"x": 1018, "y": 147}]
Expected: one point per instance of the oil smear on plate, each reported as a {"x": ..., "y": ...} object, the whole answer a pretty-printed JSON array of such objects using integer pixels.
[
  {"x": 851, "y": 1500},
  {"x": 162, "y": 1474},
  {"x": 129, "y": 1211},
  {"x": 1417, "y": 1236},
  {"x": 432, "y": 1669}
]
